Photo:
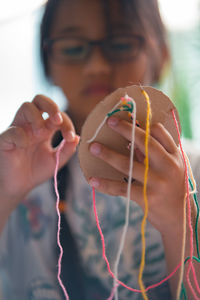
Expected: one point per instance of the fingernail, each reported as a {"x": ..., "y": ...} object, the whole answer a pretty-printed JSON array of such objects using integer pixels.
[
  {"x": 70, "y": 136},
  {"x": 94, "y": 182},
  {"x": 95, "y": 149},
  {"x": 57, "y": 118},
  {"x": 112, "y": 121}
]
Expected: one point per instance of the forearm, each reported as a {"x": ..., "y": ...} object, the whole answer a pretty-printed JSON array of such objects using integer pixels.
[{"x": 173, "y": 252}]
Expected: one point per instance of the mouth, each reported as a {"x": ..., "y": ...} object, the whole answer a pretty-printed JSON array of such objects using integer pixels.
[{"x": 97, "y": 90}]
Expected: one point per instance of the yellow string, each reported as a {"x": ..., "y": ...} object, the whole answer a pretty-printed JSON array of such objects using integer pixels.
[{"x": 143, "y": 224}]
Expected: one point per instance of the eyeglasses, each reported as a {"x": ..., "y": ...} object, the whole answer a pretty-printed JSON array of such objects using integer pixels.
[{"x": 72, "y": 50}]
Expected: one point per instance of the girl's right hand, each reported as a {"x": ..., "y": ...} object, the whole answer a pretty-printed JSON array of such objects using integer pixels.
[{"x": 26, "y": 154}]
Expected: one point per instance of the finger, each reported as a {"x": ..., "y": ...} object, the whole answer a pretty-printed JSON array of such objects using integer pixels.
[
  {"x": 67, "y": 150},
  {"x": 117, "y": 188},
  {"x": 67, "y": 128},
  {"x": 121, "y": 163},
  {"x": 157, "y": 153},
  {"x": 162, "y": 135},
  {"x": 45, "y": 104},
  {"x": 13, "y": 137},
  {"x": 30, "y": 117}
]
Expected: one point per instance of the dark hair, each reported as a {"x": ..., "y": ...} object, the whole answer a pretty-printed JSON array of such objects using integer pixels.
[{"x": 143, "y": 15}]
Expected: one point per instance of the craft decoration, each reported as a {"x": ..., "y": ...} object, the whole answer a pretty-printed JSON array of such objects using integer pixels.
[
  {"x": 161, "y": 107},
  {"x": 152, "y": 107}
]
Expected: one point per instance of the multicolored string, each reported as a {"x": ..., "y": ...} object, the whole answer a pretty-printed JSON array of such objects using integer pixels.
[
  {"x": 192, "y": 183},
  {"x": 143, "y": 290},
  {"x": 190, "y": 261}
]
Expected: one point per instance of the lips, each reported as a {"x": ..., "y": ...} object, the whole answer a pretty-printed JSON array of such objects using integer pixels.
[{"x": 97, "y": 89}]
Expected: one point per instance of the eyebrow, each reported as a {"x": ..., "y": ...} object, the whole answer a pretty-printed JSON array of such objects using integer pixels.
[{"x": 70, "y": 29}]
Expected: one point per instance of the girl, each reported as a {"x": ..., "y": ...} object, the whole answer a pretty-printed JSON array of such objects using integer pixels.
[{"x": 89, "y": 48}]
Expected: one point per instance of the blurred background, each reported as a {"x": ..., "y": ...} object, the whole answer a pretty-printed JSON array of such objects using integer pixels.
[{"x": 21, "y": 77}]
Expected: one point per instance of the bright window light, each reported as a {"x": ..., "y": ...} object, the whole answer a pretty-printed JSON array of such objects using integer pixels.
[
  {"x": 12, "y": 8},
  {"x": 180, "y": 14}
]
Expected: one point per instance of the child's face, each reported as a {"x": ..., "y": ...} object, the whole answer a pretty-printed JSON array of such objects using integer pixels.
[{"x": 87, "y": 82}]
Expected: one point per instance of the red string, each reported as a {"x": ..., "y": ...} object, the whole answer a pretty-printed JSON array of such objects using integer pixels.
[
  {"x": 189, "y": 217},
  {"x": 107, "y": 262}
]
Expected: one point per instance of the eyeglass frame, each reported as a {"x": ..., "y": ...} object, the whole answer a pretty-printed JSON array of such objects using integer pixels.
[{"x": 48, "y": 43}]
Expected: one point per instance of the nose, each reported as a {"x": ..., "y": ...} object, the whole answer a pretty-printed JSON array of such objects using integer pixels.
[{"x": 97, "y": 64}]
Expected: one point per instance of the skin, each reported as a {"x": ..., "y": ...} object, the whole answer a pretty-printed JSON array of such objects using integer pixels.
[
  {"x": 25, "y": 148},
  {"x": 78, "y": 82}
]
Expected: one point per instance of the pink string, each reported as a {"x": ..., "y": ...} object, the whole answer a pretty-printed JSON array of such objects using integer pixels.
[
  {"x": 59, "y": 219},
  {"x": 113, "y": 292},
  {"x": 189, "y": 217},
  {"x": 107, "y": 262}
]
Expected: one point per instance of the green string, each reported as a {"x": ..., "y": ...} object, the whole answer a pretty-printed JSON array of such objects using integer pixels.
[
  {"x": 183, "y": 290},
  {"x": 124, "y": 107}
]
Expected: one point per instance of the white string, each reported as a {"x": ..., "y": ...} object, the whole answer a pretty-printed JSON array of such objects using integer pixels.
[
  {"x": 114, "y": 292},
  {"x": 102, "y": 123},
  {"x": 123, "y": 236}
]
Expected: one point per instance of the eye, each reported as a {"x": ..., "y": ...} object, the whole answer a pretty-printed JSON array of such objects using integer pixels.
[
  {"x": 121, "y": 45},
  {"x": 73, "y": 51},
  {"x": 69, "y": 48}
]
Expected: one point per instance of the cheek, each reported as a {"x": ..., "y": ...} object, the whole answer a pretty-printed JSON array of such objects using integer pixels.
[
  {"x": 135, "y": 72},
  {"x": 67, "y": 78}
]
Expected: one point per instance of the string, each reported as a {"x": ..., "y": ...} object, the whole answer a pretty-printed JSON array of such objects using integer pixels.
[
  {"x": 193, "y": 186},
  {"x": 126, "y": 104},
  {"x": 96, "y": 215},
  {"x": 178, "y": 294},
  {"x": 108, "y": 264},
  {"x": 144, "y": 220},
  {"x": 190, "y": 267},
  {"x": 102, "y": 237},
  {"x": 192, "y": 192},
  {"x": 59, "y": 219},
  {"x": 182, "y": 251},
  {"x": 113, "y": 293},
  {"x": 124, "y": 232},
  {"x": 101, "y": 125}
]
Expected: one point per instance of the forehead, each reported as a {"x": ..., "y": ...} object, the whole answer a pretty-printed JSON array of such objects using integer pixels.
[
  {"x": 79, "y": 16},
  {"x": 89, "y": 17}
]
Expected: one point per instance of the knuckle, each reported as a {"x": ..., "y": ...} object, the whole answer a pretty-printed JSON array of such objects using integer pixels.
[
  {"x": 175, "y": 167},
  {"x": 38, "y": 97},
  {"x": 123, "y": 164},
  {"x": 122, "y": 189},
  {"x": 157, "y": 127},
  {"x": 25, "y": 106}
]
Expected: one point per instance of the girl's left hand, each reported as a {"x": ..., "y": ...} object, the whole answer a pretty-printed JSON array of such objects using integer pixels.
[{"x": 166, "y": 175}]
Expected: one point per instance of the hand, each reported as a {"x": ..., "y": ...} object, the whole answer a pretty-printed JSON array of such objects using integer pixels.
[
  {"x": 26, "y": 155},
  {"x": 166, "y": 176}
]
